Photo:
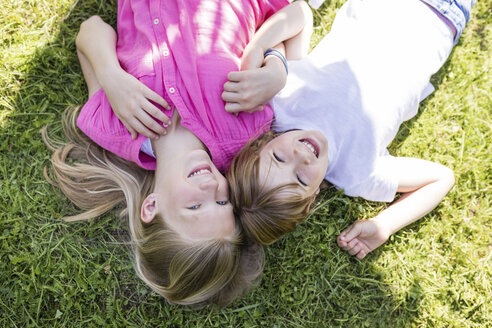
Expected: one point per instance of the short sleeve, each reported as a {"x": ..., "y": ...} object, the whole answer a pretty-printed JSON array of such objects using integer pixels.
[
  {"x": 270, "y": 7},
  {"x": 381, "y": 185},
  {"x": 98, "y": 121}
]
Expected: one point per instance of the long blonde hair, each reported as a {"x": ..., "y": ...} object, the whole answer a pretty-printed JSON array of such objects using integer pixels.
[{"x": 184, "y": 272}]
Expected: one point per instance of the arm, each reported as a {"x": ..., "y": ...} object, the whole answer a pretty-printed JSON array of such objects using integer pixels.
[
  {"x": 292, "y": 25},
  {"x": 423, "y": 184},
  {"x": 259, "y": 79},
  {"x": 129, "y": 98}
]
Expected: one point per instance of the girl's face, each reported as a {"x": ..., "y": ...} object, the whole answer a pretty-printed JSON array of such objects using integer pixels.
[
  {"x": 299, "y": 157},
  {"x": 195, "y": 199}
]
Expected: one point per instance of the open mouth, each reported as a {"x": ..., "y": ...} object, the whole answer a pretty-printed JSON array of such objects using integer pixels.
[
  {"x": 311, "y": 145},
  {"x": 201, "y": 170}
]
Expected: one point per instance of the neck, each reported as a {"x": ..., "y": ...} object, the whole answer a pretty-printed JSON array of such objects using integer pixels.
[{"x": 171, "y": 148}]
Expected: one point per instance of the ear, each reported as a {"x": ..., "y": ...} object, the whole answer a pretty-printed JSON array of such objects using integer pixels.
[
  {"x": 149, "y": 208},
  {"x": 312, "y": 201}
]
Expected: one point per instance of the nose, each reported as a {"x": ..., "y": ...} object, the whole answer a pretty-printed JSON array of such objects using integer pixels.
[
  {"x": 301, "y": 157},
  {"x": 209, "y": 185}
]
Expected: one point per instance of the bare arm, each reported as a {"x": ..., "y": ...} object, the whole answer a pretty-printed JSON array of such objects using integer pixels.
[
  {"x": 289, "y": 31},
  {"x": 424, "y": 185},
  {"x": 292, "y": 25},
  {"x": 129, "y": 98}
]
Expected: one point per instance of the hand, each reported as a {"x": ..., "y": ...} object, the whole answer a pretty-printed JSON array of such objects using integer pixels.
[
  {"x": 251, "y": 89},
  {"x": 131, "y": 103},
  {"x": 362, "y": 237}
]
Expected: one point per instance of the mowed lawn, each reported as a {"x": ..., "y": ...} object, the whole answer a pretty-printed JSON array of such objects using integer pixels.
[{"x": 434, "y": 273}]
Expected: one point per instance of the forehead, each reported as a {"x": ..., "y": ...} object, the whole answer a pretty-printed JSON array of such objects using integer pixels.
[{"x": 279, "y": 140}]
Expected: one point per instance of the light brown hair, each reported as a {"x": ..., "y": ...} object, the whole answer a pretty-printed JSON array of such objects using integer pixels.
[
  {"x": 265, "y": 214},
  {"x": 215, "y": 271}
]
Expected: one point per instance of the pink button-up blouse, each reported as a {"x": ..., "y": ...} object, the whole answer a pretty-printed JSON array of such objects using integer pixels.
[{"x": 183, "y": 50}]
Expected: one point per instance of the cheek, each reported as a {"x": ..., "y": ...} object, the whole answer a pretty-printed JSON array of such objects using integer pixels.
[
  {"x": 223, "y": 184},
  {"x": 182, "y": 195},
  {"x": 316, "y": 175}
]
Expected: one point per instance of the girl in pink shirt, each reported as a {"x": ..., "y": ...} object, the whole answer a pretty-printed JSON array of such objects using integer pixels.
[{"x": 166, "y": 77}]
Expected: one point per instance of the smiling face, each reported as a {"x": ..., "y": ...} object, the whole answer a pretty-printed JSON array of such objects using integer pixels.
[
  {"x": 194, "y": 199},
  {"x": 299, "y": 157}
]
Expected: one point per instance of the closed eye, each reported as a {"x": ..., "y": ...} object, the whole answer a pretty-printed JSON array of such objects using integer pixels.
[
  {"x": 301, "y": 182},
  {"x": 222, "y": 202},
  {"x": 278, "y": 159},
  {"x": 194, "y": 207}
]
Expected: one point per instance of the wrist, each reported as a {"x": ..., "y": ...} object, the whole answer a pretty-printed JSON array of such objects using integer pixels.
[
  {"x": 384, "y": 227},
  {"x": 107, "y": 74},
  {"x": 276, "y": 69},
  {"x": 280, "y": 56}
]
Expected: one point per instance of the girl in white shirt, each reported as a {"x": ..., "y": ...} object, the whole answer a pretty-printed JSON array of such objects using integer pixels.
[{"x": 341, "y": 107}]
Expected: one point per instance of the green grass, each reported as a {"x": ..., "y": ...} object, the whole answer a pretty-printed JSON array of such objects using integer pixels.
[{"x": 434, "y": 273}]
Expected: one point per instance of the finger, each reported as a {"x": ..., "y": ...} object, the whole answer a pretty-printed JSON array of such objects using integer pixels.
[
  {"x": 352, "y": 232},
  {"x": 232, "y": 107},
  {"x": 350, "y": 245},
  {"x": 231, "y": 86},
  {"x": 131, "y": 130},
  {"x": 256, "y": 109},
  {"x": 353, "y": 243},
  {"x": 133, "y": 133},
  {"x": 156, "y": 113},
  {"x": 236, "y": 76},
  {"x": 155, "y": 97},
  {"x": 361, "y": 254},
  {"x": 341, "y": 241},
  {"x": 150, "y": 123},
  {"x": 231, "y": 97},
  {"x": 346, "y": 247},
  {"x": 142, "y": 129},
  {"x": 355, "y": 250}
]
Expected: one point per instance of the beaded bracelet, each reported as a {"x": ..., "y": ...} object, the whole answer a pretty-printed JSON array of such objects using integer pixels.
[{"x": 279, "y": 55}]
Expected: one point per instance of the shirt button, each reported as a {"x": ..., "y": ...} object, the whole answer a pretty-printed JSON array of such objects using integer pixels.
[
  {"x": 165, "y": 53},
  {"x": 172, "y": 90},
  {"x": 156, "y": 21}
]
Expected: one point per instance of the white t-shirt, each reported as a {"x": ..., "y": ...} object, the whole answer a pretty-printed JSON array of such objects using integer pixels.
[{"x": 360, "y": 83}]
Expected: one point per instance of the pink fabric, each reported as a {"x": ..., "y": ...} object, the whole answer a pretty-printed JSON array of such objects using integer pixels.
[{"x": 183, "y": 50}]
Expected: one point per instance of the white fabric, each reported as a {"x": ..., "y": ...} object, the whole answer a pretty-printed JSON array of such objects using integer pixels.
[
  {"x": 147, "y": 148},
  {"x": 315, "y": 3},
  {"x": 360, "y": 83}
]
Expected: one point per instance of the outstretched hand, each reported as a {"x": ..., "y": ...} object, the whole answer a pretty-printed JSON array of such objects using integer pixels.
[
  {"x": 131, "y": 101},
  {"x": 362, "y": 237}
]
